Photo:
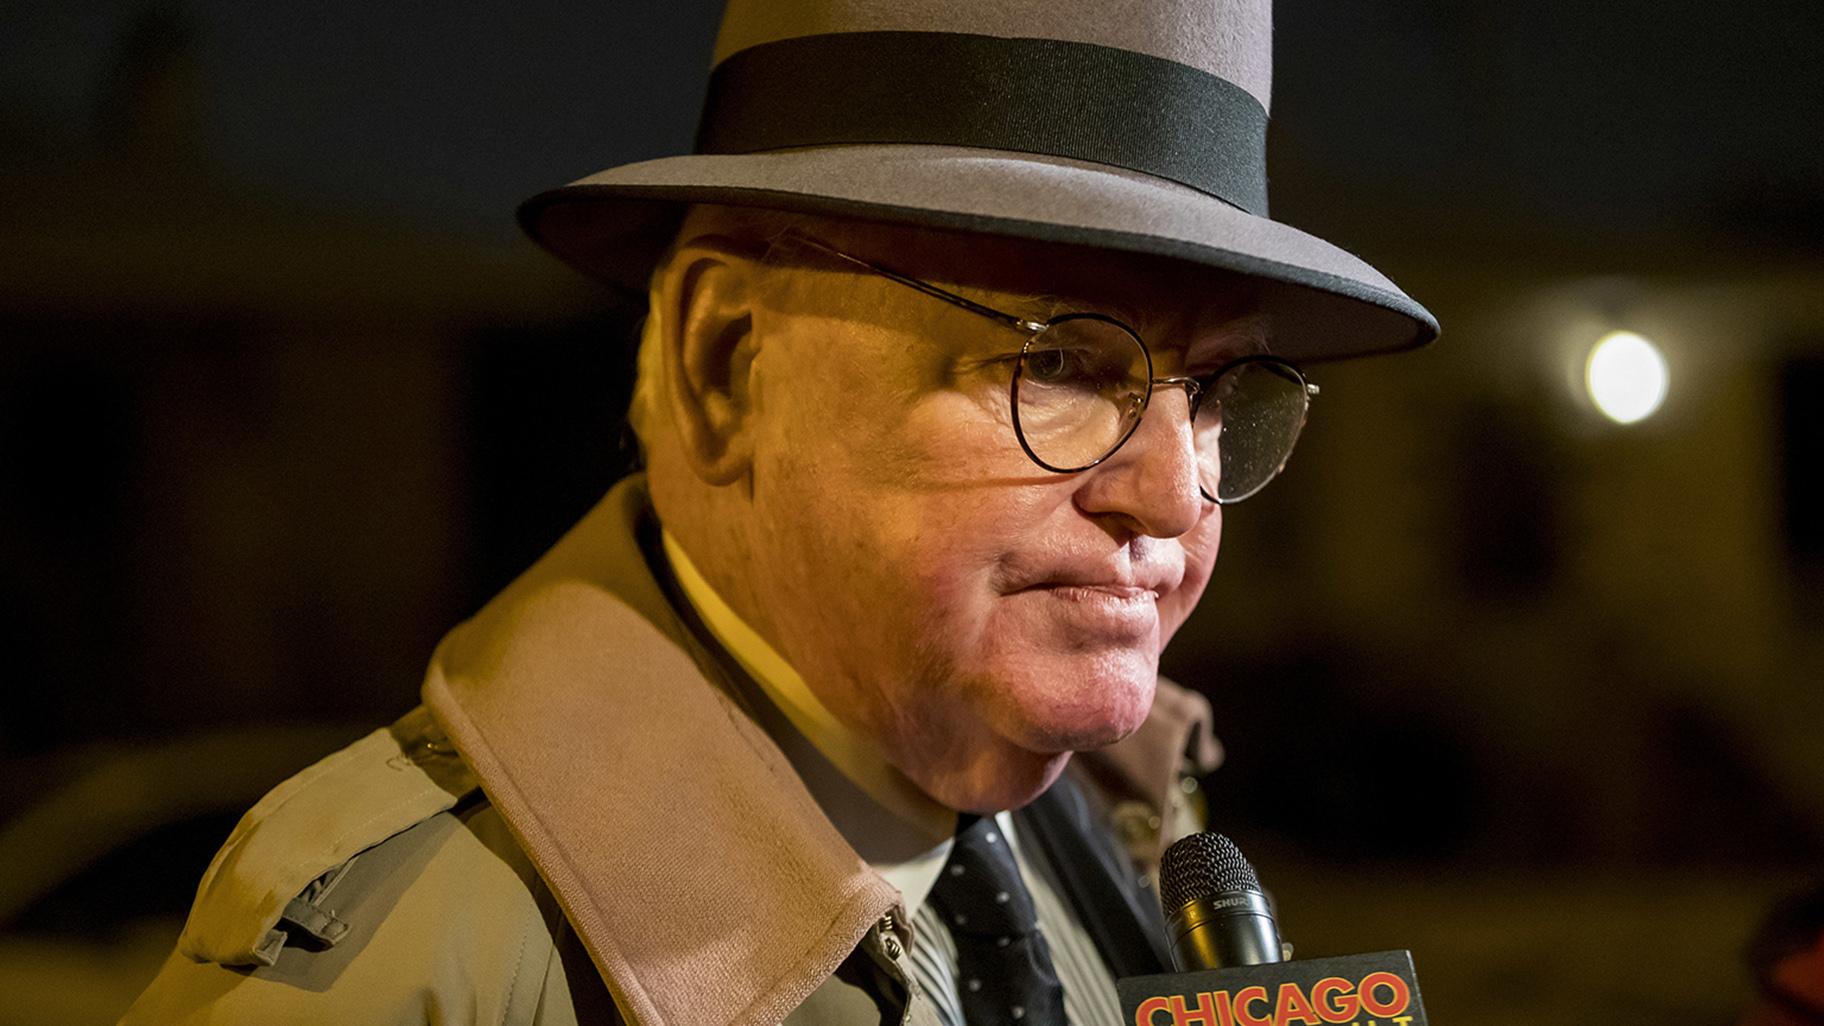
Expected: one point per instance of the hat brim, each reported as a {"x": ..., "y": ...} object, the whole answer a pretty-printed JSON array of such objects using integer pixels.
[{"x": 1326, "y": 303}]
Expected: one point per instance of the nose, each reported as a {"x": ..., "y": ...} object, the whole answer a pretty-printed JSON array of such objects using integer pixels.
[{"x": 1151, "y": 481}]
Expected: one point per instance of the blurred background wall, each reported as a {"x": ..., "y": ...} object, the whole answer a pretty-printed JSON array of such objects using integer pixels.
[{"x": 283, "y": 395}]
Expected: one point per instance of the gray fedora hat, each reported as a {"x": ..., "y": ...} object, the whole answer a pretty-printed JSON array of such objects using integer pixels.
[{"x": 1137, "y": 127}]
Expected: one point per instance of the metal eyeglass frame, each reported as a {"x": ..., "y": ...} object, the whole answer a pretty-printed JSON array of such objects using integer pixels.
[{"x": 1194, "y": 386}]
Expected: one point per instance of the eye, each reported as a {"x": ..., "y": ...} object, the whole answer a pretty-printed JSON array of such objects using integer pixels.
[
  {"x": 1055, "y": 365},
  {"x": 1079, "y": 368},
  {"x": 1085, "y": 355}
]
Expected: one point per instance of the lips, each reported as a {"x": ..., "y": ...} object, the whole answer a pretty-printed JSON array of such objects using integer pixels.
[
  {"x": 1117, "y": 589},
  {"x": 1155, "y": 577},
  {"x": 1124, "y": 592}
]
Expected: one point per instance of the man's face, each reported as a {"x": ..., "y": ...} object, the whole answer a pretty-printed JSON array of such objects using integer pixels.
[{"x": 979, "y": 616}]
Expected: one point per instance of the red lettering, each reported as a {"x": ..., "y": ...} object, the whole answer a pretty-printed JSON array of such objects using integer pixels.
[
  {"x": 1245, "y": 997},
  {"x": 1336, "y": 1000},
  {"x": 1225, "y": 1015},
  {"x": 1143, "y": 1016},
  {"x": 1293, "y": 1007},
  {"x": 1203, "y": 1015},
  {"x": 1395, "y": 1004}
]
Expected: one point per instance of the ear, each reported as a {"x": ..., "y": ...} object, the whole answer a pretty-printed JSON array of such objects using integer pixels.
[{"x": 706, "y": 325}]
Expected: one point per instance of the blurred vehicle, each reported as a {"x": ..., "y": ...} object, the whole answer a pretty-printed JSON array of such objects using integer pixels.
[{"x": 99, "y": 866}]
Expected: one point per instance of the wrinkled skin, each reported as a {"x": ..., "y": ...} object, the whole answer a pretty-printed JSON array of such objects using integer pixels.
[{"x": 856, "y": 491}]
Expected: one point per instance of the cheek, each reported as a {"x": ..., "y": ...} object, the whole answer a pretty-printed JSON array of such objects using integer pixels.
[
  {"x": 947, "y": 496},
  {"x": 948, "y": 551},
  {"x": 888, "y": 517}
]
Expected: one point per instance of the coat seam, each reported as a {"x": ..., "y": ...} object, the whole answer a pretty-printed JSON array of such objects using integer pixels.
[{"x": 519, "y": 965}]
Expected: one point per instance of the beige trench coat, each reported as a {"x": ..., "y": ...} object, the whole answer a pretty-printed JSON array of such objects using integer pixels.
[{"x": 581, "y": 824}]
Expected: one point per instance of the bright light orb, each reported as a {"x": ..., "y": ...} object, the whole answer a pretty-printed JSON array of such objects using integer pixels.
[{"x": 1626, "y": 377}]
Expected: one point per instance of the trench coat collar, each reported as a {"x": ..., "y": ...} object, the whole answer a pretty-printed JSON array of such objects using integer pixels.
[{"x": 700, "y": 874}]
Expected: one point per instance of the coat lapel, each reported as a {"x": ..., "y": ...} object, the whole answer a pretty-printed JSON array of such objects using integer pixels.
[{"x": 700, "y": 875}]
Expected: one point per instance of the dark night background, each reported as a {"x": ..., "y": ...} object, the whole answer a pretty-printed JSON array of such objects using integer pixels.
[{"x": 283, "y": 395}]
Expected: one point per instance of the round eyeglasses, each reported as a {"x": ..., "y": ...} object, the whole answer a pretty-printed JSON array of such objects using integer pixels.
[{"x": 1083, "y": 381}]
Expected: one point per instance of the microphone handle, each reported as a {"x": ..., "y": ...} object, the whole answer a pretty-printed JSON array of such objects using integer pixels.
[{"x": 1225, "y": 929}]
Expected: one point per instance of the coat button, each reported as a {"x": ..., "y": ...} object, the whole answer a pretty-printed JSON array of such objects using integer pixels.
[{"x": 892, "y": 947}]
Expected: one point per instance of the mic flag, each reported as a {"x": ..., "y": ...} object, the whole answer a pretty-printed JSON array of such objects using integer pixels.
[
  {"x": 1226, "y": 937},
  {"x": 1379, "y": 989}
]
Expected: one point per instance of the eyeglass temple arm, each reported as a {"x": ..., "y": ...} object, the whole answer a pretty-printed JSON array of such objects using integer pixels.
[
  {"x": 927, "y": 288},
  {"x": 1193, "y": 387}
]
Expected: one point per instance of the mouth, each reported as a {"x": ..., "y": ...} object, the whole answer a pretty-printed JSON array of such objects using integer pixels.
[
  {"x": 1097, "y": 592},
  {"x": 1097, "y": 614},
  {"x": 1097, "y": 599}
]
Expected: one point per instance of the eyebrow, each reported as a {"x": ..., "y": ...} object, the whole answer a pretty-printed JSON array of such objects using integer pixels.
[
  {"x": 1248, "y": 335},
  {"x": 1253, "y": 331},
  {"x": 1049, "y": 305}
]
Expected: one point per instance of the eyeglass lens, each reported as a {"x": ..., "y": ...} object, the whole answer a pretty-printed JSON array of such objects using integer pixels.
[{"x": 1082, "y": 386}]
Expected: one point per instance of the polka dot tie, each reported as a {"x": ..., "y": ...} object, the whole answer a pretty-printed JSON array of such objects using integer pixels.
[{"x": 1004, "y": 972}]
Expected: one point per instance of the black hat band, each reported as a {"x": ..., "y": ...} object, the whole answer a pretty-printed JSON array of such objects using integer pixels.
[{"x": 1065, "y": 99}]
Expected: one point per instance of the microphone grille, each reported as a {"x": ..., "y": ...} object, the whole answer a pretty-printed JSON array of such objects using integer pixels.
[{"x": 1199, "y": 865}]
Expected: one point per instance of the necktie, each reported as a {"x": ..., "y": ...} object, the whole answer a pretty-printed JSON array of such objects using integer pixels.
[{"x": 1004, "y": 972}]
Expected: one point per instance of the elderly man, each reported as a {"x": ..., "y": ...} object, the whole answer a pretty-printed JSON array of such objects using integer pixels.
[{"x": 965, "y": 322}]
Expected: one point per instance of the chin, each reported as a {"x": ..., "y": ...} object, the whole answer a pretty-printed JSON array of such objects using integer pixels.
[
  {"x": 1081, "y": 706},
  {"x": 1009, "y": 727},
  {"x": 1035, "y": 742}
]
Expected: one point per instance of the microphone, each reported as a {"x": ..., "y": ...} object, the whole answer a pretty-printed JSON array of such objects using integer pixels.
[
  {"x": 1233, "y": 967},
  {"x": 1218, "y": 915}
]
